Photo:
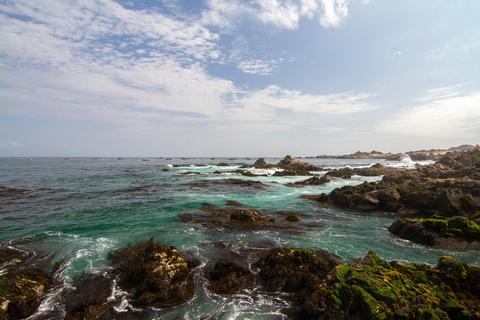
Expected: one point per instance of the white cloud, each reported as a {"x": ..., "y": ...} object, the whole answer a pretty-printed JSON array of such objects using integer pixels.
[
  {"x": 258, "y": 66},
  {"x": 443, "y": 112},
  {"x": 263, "y": 104},
  {"x": 333, "y": 12},
  {"x": 283, "y": 14},
  {"x": 100, "y": 61}
]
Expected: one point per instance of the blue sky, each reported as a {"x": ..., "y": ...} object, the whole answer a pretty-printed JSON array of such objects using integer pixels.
[{"x": 214, "y": 78}]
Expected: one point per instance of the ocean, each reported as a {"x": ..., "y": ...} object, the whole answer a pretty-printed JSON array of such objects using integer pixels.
[{"x": 79, "y": 209}]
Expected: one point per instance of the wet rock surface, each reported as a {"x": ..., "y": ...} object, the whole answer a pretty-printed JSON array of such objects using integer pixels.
[
  {"x": 92, "y": 298},
  {"x": 290, "y": 165},
  {"x": 313, "y": 181},
  {"x": 439, "y": 189},
  {"x": 317, "y": 283},
  {"x": 452, "y": 233},
  {"x": 241, "y": 217},
  {"x": 156, "y": 275},
  {"x": 372, "y": 288},
  {"x": 23, "y": 282}
]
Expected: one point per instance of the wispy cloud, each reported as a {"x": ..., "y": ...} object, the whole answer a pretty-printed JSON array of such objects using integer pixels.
[
  {"x": 283, "y": 14},
  {"x": 98, "y": 59},
  {"x": 442, "y": 112},
  {"x": 257, "y": 66}
]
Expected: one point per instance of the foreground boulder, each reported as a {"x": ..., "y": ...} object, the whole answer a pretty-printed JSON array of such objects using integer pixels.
[
  {"x": 23, "y": 282},
  {"x": 372, "y": 288},
  {"x": 156, "y": 275},
  {"x": 295, "y": 269},
  {"x": 454, "y": 233},
  {"x": 91, "y": 297}
]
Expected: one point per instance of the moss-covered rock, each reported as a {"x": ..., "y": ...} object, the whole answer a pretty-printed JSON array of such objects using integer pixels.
[
  {"x": 371, "y": 288},
  {"x": 451, "y": 233}
]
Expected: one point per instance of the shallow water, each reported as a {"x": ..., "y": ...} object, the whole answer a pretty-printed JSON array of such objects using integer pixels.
[{"x": 90, "y": 206}]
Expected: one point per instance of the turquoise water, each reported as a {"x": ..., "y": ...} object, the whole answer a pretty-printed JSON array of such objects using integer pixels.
[{"x": 92, "y": 206}]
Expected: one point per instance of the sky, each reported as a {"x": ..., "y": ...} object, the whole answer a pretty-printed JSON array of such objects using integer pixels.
[{"x": 237, "y": 78}]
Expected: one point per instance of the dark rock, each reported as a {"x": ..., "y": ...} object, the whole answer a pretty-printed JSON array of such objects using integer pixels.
[
  {"x": 253, "y": 184},
  {"x": 454, "y": 233},
  {"x": 415, "y": 192},
  {"x": 228, "y": 277},
  {"x": 293, "y": 269},
  {"x": 345, "y": 173},
  {"x": 156, "y": 275},
  {"x": 23, "y": 282},
  {"x": 313, "y": 181},
  {"x": 261, "y": 164},
  {"x": 232, "y": 203},
  {"x": 371, "y": 288},
  {"x": 247, "y": 218},
  {"x": 223, "y": 164},
  {"x": 292, "y": 164}
]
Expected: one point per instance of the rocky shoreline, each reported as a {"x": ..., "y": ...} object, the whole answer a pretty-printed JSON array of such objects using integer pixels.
[
  {"x": 448, "y": 188},
  {"x": 317, "y": 284},
  {"x": 437, "y": 205}
]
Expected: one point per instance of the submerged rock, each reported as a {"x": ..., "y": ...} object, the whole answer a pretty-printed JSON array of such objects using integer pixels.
[
  {"x": 243, "y": 217},
  {"x": 229, "y": 182},
  {"x": 156, "y": 275},
  {"x": 454, "y": 233}
]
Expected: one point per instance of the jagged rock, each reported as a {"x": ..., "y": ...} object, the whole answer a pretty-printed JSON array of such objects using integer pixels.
[
  {"x": 261, "y": 164},
  {"x": 313, "y": 181},
  {"x": 290, "y": 166},
  {"x": 229, "y": 277},
  {"x": 289, "y": 163},
  {"x": 372, "y": 288},
  {"x": 156, "y": 275},
  {"x": 23, "y": 282},
  {"x": 293, "y": 269},
  {"x": 345, "y": 173},
  {"x": 431, "y": 190},
  {"x": 454, "y": 233}
]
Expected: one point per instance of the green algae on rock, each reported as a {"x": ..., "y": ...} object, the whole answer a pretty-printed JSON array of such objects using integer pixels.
[
  {"x": 450, "y": 233},
  {"x": 372, "y": 288}
]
